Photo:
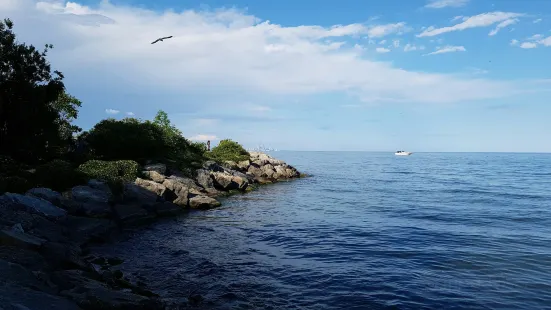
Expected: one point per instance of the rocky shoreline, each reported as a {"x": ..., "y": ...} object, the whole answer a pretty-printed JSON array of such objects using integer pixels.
[{"x": 45, "y": 261}]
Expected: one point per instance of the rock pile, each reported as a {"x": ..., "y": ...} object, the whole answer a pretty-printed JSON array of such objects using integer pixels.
[{"x": 44, "y": 233}]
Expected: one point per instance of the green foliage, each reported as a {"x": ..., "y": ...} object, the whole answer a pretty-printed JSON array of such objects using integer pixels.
[
  {"x": 228, "y": 150},
  {"x": 59, "y": 175},
  {"x": 31, "y": 122},
  {"x": 14, "y": 184},
  {"x": 111, "y": 171},
  {"x": 140, "y": 141},
  {"x": 200, "y": 147},
  {"x": 129, "y": 138},
  {"x": 67, "y": 106}
]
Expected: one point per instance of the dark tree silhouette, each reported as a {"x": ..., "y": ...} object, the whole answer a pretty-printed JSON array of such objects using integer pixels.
[{"x": 34, "y": 115}]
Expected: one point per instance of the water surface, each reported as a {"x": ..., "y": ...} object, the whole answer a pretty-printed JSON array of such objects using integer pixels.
[{"x": 367, "y": 231}]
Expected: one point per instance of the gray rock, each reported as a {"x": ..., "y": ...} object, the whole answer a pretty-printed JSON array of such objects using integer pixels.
[
  {"x": 244, "y": 165},
  {"x": 213, "y": 166},
  {"x": 84, "y": 229},
  {"x": 132, "y": 214},
  {"x": 135, "y": 193},
  {"x": 100, "y": 185},
  {"x": 91, "y": 294},
  {"x": 154, "y": 176},
  {"x": 32, "y": 205},
  {"x": 168, "y": 209},
  {"x": 203, "y": 202},
  {"x": 92, "y": 202},
  {"x": 22, "y": 289},
  {"x": 63, "y": 255},
  {"x": 193, "y": 188},
  {"x": 20, "y": 239},
  {"x": 160, "y": 168},
  {"x": 204, "y": 179},
  {"x": 46, "y": 194},
  {"x": 224, "y": 181}
]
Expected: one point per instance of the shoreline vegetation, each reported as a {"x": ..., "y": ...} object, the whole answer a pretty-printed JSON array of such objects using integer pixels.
[{"x": 63, "y": 189}]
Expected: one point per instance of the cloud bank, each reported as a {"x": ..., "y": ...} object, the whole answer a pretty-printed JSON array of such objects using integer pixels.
[{"x": 231, "y": 52}]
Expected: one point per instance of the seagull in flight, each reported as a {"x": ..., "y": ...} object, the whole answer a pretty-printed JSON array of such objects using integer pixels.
[{"x": 161, "y": 39}]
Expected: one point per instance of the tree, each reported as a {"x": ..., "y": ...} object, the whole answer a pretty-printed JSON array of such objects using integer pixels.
[
  {"x": 30, "y": 122},
  {"x": 67, "y": 105}
]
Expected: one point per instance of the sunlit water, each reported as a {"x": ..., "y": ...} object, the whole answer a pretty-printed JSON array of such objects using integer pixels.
[{"x": 367, "y": 231}]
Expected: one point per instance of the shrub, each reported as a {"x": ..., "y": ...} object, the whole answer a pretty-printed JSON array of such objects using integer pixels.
[
  {"x": 58, "y": 175},
  {"x": 111, "y": 171},
  {"x": 14, "y": 184},
  {"x": 228, "y": 150}
]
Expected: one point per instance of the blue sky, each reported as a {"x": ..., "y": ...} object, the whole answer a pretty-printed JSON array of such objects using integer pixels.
[{"x": 446, "y": 75}]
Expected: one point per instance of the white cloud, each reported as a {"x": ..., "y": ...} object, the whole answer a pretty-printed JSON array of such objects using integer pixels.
[
  {"x": 546, "y": 41},
  {"x": 503, "y": 24},
  {"x": 382, "y": 50},
  {"x": 382, "y": 42},
  {"x": 448, "y": 49},
  {"x": 130, "y": 113},
  {"x": 481, "y": 20},
  {"x": 259, "y": 108},
  {"x": 514, "y": 42},
  {"x": 227, "y": 53},
  {"x": 203, "y": 137},
  {"x": 396, "y": 43},
  {"x": 527, "y": 45},
  {"x": 537, "y": 20},
  {"x": 456, "y": 18},
  {"x": 112, "y": 111},
  {"x": 384, "y": 30},
  {"x": 536, "y": 40},
  {"x": 440, "y": 4},
  {"x": 410, "y": 47}
]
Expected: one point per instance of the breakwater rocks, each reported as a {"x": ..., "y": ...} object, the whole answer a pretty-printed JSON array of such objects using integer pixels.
[{"x": 44, "y": 259}]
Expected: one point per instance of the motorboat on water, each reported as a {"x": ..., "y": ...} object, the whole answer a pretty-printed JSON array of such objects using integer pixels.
[{"x": 402, "y": 153}]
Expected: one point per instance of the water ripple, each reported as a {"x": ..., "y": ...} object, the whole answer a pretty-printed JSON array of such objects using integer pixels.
[{"x": 367, "y": 231}]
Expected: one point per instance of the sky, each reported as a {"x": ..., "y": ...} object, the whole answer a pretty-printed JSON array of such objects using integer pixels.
[{"x": 313, "y": 75}]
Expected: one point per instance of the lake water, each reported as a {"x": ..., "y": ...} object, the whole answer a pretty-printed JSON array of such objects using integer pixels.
[{"x": 366, "y": 231}]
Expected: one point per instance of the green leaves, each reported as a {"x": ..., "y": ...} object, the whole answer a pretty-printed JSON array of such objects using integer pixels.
[
  {"x": 35, "y": 112},
  {"x": 228, "y": 150}
]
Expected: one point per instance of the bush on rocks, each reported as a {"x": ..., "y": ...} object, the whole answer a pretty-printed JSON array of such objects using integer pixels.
[
  {"x": 14, "y": 184},
  {"x": 111, "y": 171},
  {"x": 59, "y": 175},
  {"x": 114, "y": 173},
  {"x": 228, "y": 150}
]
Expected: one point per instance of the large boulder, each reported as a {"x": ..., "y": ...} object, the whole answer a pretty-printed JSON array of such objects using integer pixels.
[
  {"x": 85, "y": 229},
  {"x": 203, "y": 202},
  {"x": 32, "y": 205},
  {"x": 92, "y": 202},
  {"x": 129, "y": 214},
  {"x": 255, "y": 170},
  {"x": 160, "y": 168},
  {"x": 16, "y": 236},
  {"x": 224, "y": 181},
  {"x": 92, "y": 294},
  {"x": 244, "y": 165},
  {"x": 204, "y": 179},
  {"x": 154, "y": 176},
  {"x": 213, "y": 166},
  {"x": 167, "y": 209},
  {"x": 133, "y": 193},
  {"x": 181, "y": 184},
  {"x": 46, "y": 194}
]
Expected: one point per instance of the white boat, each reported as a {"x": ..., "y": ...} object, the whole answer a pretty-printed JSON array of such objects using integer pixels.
[{"x": 402, "y": 153}]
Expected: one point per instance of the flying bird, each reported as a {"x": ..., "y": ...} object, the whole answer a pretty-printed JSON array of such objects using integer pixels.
[{"x": 161, "y": 39}]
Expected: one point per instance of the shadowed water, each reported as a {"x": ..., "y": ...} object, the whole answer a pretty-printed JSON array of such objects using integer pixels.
[{"x": 367, "y": 231}]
